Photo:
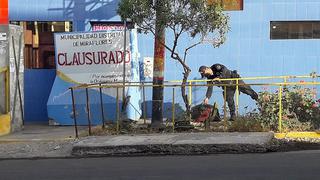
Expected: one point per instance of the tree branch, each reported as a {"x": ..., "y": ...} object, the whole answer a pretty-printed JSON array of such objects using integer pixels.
[
  {"x": 150, "y": 27},
  {"x": 187, "y": 49},
  {"x": 178, "y": 58}
]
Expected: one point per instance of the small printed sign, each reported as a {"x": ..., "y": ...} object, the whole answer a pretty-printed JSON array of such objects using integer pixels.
[{"x": 148, "y": 67}]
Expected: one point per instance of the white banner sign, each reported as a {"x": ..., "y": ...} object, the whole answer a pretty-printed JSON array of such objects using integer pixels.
[{"x": 92, "y": 57}]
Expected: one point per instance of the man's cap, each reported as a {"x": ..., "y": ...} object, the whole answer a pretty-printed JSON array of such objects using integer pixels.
[{"x": 201, "y": 69}]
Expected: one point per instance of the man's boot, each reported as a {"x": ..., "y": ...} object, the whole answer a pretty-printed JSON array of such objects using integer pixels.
[{"x": 254, "y": 96}]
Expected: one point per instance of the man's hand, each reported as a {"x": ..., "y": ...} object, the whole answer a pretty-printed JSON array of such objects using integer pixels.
[{"x": 205, "y": 101}]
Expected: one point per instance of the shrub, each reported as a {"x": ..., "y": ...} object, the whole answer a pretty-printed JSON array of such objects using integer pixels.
[
  {"x": 300, "y": 109},
  {"x": 248, "y": 123}
]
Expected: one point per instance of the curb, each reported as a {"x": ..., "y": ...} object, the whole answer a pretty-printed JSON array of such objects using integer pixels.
[
  {"x": 167, "y": 149},
  {"x": 34, "y": 140},
  {"x": 173, "y": 144},
  {"x": 311, "y": 135}
]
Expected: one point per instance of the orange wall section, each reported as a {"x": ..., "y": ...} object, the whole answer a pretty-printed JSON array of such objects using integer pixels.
[{"x": 4, "y": 12}]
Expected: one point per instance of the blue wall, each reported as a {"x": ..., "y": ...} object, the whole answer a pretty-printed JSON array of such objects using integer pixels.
[
  {"x": 248, "y": 47},
  {"x": 80, "y": 12},
  {"x": 37, "y": 87}
]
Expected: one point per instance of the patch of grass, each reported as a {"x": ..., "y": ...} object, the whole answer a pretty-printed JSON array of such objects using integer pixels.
[{"x": 243, "y": 124}]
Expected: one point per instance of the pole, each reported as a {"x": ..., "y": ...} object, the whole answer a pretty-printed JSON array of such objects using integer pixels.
[
  {"x": 102, "y": 110},
  {"x": 237, "y": 97},
  {"x": 144, "y": 104},
  {"x": 88, "y": 111},
  {"x": 7, "y": 74},
  {"x": 225, "y": 107},
  {"x": 159, "y": 53},
  {"x": 117, "y": 111},
  {"x": 124, "y": 61},
  {"x": 74, "y": 113},
  {"x": 190, "y": 93},
  {"x": 173, "y": 109},
  {"x": 280, "y": 109}
]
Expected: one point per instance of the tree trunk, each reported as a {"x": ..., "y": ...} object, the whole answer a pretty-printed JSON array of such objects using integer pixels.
[
  {"x": 186, "y": 73},
  {"x": 183, "y": 91}
]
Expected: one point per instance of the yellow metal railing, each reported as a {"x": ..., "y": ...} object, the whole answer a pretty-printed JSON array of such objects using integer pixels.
[
  {"x": 5, "y": 70},
  {"x": 189, "y": 84},
  {"x": 198, "y": 85},
  {"x": 283, "y": 78}
]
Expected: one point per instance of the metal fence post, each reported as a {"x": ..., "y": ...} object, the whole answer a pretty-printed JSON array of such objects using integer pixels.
[
  {"x": 237, "y": 97},
  {"x": 117, "y": 110},
  {"x": 74, "y": 113},
  {"x": 280, "y": 109},
  {"x": 88, "y": 111},
  {"x": 190, "y": 93},
  {"x": 102, "y": 110},
  {"x": 144, "y": 104},
  {"x": 314, "y": 87},
  {"x": 8, "y": 89},
  {"x": 225, "y": 106},
  {"x": 285, "y": 80},
  {"x": 173, "y": 108}
]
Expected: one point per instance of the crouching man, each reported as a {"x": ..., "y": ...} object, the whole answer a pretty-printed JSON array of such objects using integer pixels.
[{"x": 219, "y": 71}]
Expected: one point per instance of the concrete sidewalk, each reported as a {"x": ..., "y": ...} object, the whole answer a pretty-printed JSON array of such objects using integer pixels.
[
  {"x": 58, "y": 142},
  {"x": 174, "y": 144},
  {"x": 39, "y": 141},
  {"x": 32, "y": 133}
]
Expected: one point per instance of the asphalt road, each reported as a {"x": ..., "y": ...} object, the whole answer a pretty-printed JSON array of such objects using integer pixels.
[{"x": 290, "y": 165}]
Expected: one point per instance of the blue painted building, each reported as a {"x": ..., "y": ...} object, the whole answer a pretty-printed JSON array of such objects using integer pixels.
[{"x": 254, "y": 45}]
